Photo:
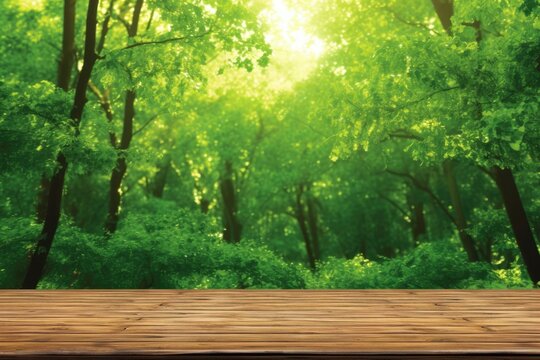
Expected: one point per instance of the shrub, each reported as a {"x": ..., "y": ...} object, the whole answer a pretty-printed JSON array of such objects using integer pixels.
[
  {"x": 17, "y": 239},
  {"x": 179, "y": 249},
  {"x": 430, "y": 266}
]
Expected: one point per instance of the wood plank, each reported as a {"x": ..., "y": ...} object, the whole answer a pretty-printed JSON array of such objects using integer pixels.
[{"x": 301, "y": 324}]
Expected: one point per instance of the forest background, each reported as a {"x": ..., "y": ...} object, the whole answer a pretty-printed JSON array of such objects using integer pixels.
[{"x": 269, "y": 144}]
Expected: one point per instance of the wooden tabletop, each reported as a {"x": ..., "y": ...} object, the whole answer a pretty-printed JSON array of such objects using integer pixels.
[{"x": 300, "y": 323}]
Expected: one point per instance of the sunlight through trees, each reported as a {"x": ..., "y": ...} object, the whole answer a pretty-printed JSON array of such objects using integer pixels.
[{"x": 269, "y": 144}]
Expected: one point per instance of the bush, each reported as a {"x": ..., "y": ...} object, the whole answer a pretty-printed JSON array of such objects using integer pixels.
[
  {"x": 180, "y": 249},
  {"x": 430, "y": 266},
  {"x": 18, "y": 237},
  {"x": 183, "y": 249}
]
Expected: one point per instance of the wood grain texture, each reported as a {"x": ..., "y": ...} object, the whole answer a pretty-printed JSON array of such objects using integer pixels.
[{"x": 248, "y": 324}]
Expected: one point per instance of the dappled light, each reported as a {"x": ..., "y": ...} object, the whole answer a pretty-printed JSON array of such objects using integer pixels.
[{"x": 269, "y": 144}]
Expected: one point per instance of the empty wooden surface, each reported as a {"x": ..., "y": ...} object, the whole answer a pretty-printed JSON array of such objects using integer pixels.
[{"x": 290, "y": 324}]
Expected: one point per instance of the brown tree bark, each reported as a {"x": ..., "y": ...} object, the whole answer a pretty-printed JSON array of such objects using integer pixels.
[
  {"x": 518, "y": 219},
  {"x": 418, "y": 221},
  {"x": 300, "y": 216},
  {"x": 105, "y": 28},
  {"x": 232, "y": 228},
  {"x": 313, "y": 224},
  {"x": 120, "y": 169},
  {"x": 466, "y": 240},
  {"x": 445, "y": 11},
  {"x": 117, "y": 175},
  {"x": 459, "y": 217},
  {"x": 65, "y": 67},
  {"x": 415, "y": 212},
  {"x": 52, "y": 218},
  {"x": 160, "y": 178},
  {"x": 67, "y": 57},
  {"x": 204, "y": 205}
]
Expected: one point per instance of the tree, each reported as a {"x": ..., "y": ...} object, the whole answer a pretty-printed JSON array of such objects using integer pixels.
[
  {"x": 43, "y": 247},
  {"x": 125, "y": 139},
  {"x": 216, "y": 28},
  {"x": 65, "y": 68},
  {"x": 504, "y": 177},
  {"x": 252, "y": 143},
  {"x": 445, "y": 114}
]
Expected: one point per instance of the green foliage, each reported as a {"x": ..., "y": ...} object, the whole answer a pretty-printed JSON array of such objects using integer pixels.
[
  {"x": 174, "y": 250},
  {"x": 18, "y": 237},
  {"x": 322, "y": 127},
  {"x": 430, "y": 266}
]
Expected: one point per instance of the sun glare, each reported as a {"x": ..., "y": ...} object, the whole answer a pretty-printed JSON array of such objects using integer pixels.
[
  {"x": 35, "y": 5},
  {"x": 288, "y": 30}
]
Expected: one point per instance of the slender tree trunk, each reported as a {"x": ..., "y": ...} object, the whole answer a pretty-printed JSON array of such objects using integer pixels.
[
  {"x": 232, "y": 228},
  {"x": 43, "y": 198},
  {"x": 65, "y": 66},
  {"x": 105, "y": 28},
  {"x": 160, "y": 178},
  {"x": 518, "y": 219},
  {"x": 313, "y": 226},
  {"x": 445, "y": 11},
  {"x": 302, "y": 224},
  {"x": 416, "y": 214},
  {"x": 41, "y": 252},
  {"x": 67, "y": 57},
  {"x": 204, "y": 205},
  {"x": 461, "y": 223},
  {"x": 418, "y": 221},
  {"x": 118, "y": 173}
]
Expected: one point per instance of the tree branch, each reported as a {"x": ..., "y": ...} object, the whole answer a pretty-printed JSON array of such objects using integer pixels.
[
  {"x": 426, "y": 189},
  {"x": 403, "y": 134},
  {"x": 398, "y": 17},
  {"x": 105, "y": 28},
  {"x": 165, "y": 41},
  {"x": 145, "y": 124},
  {"x": 395, "y": 205},
  {"x": 150, "y": 20},
  {"x": 423, "y": 98},
  {"x": 487, "y": 172},
  {"x": 107, "y": 109},
  {"x": 350, "y": 102},
  {"x": 399, "y": 107},
  {"x": 123, "y": 21}
]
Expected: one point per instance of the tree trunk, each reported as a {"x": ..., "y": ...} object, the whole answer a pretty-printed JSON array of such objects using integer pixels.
[
  {"x": 120, "y": 169},
  {"x": 302, "y": 224},
  {"x": 445, "y": 11},
  {"x": 65, "y": 66},
  {"x": 67, "y": 57},
  {"x": 518, "y": 219},
  {"x": 43, "y": 198},
  {"x": 232, "y": 228},
  {"x": 418, "y": 221},
  {"x": 52, "y": 218},
  {"x": 313, "y": 226},
  {"x": 503, "y": 177},
  {"x": 114, "y": 195},
  {"x": 204, "y": 205},
  {"x": 160, "y": 178},
  {"x": 118, "y": 173},
  {"x": 415, "y": 212},
  {"x": 461, "y": 223}
]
